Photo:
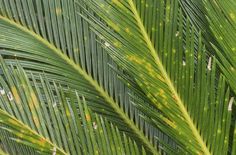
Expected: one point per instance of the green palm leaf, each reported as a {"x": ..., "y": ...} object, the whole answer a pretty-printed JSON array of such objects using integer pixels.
[
  {"x": 223, "y": 30},
  {"x": 41, "y": 48},
  {"x": 139, "y": 64},
  {"x": 179, "y": 93},
  {"x": 221, "y": 21},
  {"x": 219, "y": 18},
  {"x": 57, "y": 124}
]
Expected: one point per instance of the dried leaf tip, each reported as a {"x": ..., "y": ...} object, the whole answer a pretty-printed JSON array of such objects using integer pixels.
[
  {"x": 231, "y": 104},
  {"x": 177, "y": 34},
  {"x": 54, "y": 104},
  {"x": 2, "y": 91},
  {"x": 209, "y": 63},
  {"x": 9, "y": 95},
  {"x": 107, "y": 44},
  {"x": 95, "y": 126},
  {"x": 54, "y": 151}
]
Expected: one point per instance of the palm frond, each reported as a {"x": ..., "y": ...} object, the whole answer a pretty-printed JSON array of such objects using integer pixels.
[
  {"x": 196, "y": 12},
  {"x": 48, "y": 41},
  {"x": 58, "y": 120},
  {"x": 140, "y": 65},
  {"x": 37, "y": 32},
  {"x": 223, "y": 28},
  {"x": 219, "y": 18},
  {"x": 175, "y": 79}
]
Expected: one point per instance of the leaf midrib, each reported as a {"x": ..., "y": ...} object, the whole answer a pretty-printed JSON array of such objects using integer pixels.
[
  {"x": 167, "y": 79},
  {"x": 94, "y": 83},
  {"x": 27, "y": 128}
]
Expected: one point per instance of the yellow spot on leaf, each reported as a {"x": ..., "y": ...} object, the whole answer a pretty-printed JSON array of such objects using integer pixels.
[
  {"x": 135, "y": 59},
  {"x": 87, "y": 117},
  {"x": 58, "y": 11},
  {"x": 127, "y": 30},
  {"x": 13, "y": 122},
  {"x": 42, "y": 141},
  {"x": 161, "y": 91},
  {"x": 117, "y": 2},
  {"x": 117, "y": 44},
  {"x": 168, "y": 7},
  {"x": 174, "y": 97},
  {"x": 174, "y": 50},
  {"x": 15, "y": 94},
  {"x": 114, "y": 26},
  {"x": 68, "y": 113},
  {"x": 76, "y": 49},
  {"x": 152, "y": 74},
  {"x": 232, "y": 16},
  {"x": 172, "y": 124},
  {"x": 20, "y": 135},
  {"x": 225, "y": 141},
  {"x": 159, "y": 106},
  {"x": 232, "y": 68},
  {"x": 36, "y": 122},
  {"x": 35, "y": 103},
  {"x": 164, "y": 97}
]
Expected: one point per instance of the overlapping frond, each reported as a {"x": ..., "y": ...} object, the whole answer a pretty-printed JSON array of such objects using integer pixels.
[
  {"x": 53, "y": 120},
  {"x": 196, "y": 13},
  {"x": 172, "y": 85},
  {"x": 160, "y": 53},
  {"x": 221, "y": 18},
  {"x": 45, "y": 36},
  {"x": 217, "y": 16}
]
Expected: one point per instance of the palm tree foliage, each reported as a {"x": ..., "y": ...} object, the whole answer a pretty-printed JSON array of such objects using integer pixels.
[
  {"x": 117, "y": 77},
  {"x": 62, "y": 119}
]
